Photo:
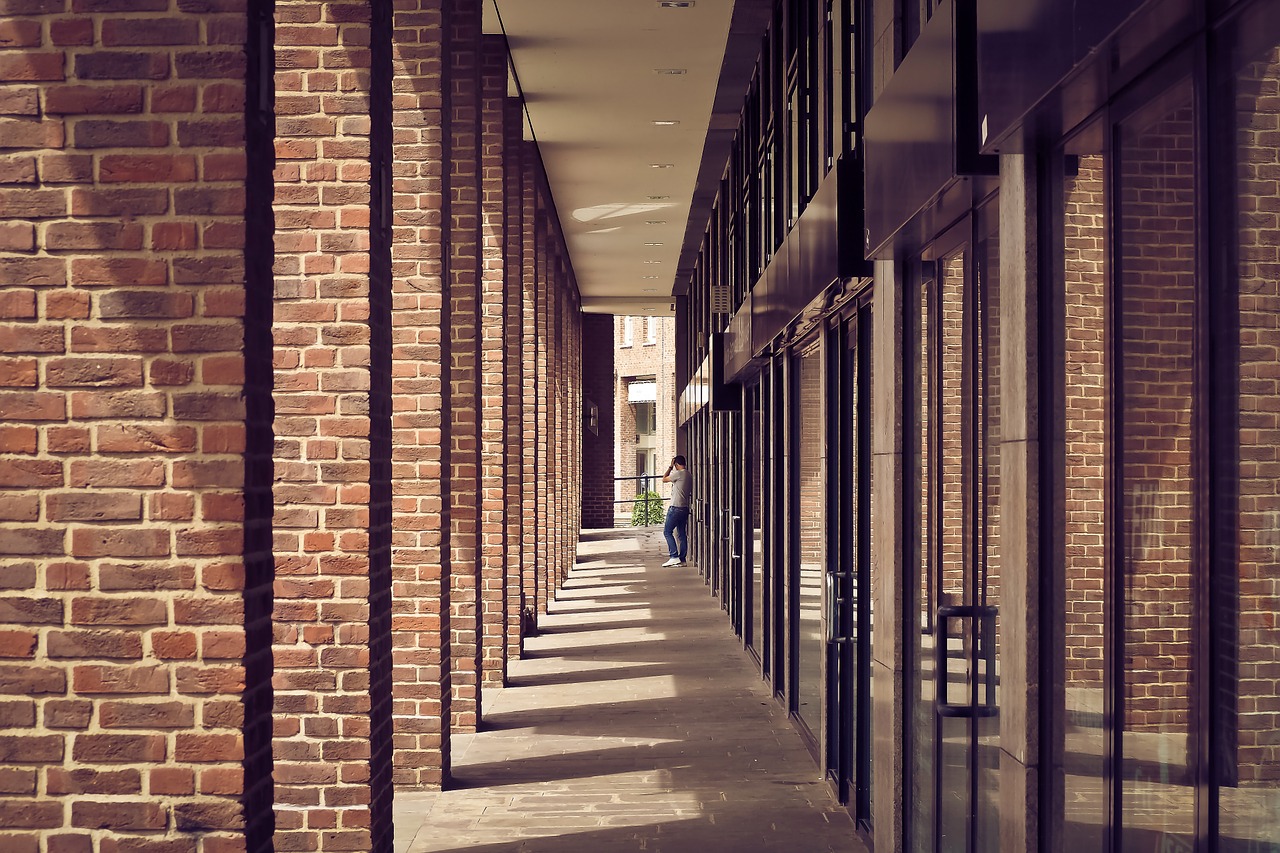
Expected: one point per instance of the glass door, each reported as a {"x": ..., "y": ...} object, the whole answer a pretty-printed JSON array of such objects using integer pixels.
[
  {"x": 808, "y": 566},
  {"x": 849, "y": 578},
  {"x": 753, "y": 548},
  {"x": 954, "y": 731}
]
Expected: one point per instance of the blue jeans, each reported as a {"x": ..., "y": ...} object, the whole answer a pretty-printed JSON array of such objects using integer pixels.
[{"x": 677, "y": 522}]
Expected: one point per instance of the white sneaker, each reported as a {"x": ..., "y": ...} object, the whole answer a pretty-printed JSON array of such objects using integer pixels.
[{"x": 674, "y": 561}]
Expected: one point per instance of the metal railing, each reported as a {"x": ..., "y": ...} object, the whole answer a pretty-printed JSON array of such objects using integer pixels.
[{"x": 645, "y": 483}]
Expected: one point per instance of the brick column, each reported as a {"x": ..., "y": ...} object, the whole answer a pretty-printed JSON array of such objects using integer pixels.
[
  {"x": 322, "y": 698},
  {"x": 513, "y": 158},
  {"x": 529, "y": 382},
  {"x": 555, "y": 433},
  {"x": 493, "y": 379},
  {"x": 122, "y": 428},
  {"x": 420, "y": 374},
  {"x": 541, "y": 456},
  {"x": 463, "y": 45}
]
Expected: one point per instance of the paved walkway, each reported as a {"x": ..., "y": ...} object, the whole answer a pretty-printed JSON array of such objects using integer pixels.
[{"x": 635, "y": 723}]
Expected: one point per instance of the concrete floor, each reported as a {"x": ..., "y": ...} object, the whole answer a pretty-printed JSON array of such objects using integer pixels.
[{"x": 635, "y": 722}]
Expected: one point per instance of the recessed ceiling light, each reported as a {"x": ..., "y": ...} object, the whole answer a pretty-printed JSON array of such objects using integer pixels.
[
  {"x": 650, "y": 309},
  {"x": 651, "y": 290},
  {"x": 648, "y": 276},
  {"x": 669, "y": 72},
  {"x": 653, "y": 262},
  {"x": 665, "y": 122},
  {"x": 662, "y": 165},
  {"x": 659, "y": 197},
  {"x": 655, "y": 222},
  {"x": 653, "y": 244},
  {"x": 676, "y": 4}
]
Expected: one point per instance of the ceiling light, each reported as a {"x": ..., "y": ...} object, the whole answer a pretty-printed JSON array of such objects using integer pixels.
[
  {"x": 648, "y": 276},
  {"x": 662, "y": 165},
  {"x": 675, "y": 4},
  {"x": 651, "y": 290},
  {"x": 653, "y": 244},
  {"x": 653, "y": 262},
  {"x": 669, "y": 72},
  {"x": 655, "y": 222},
  {"x": 650, "y": 309},
  {"x": 659, "y": 197},
  {"x": 665, "y": 122}
]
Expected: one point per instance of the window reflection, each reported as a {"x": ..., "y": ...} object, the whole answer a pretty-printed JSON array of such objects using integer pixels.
[
  {"x": 1248, "y": 665},
  {"x": 1156, "y": 254},
  {"x": 811, "y": 536},
  {"x": 1083, "y": 664}
]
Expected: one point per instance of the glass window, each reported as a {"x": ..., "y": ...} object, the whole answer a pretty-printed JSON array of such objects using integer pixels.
[
  {"x": 810, "y": 536},
  {"x": 1155, "y": 254},
  {"x": 1081, "y": 664},
  {"x": 1247, "y": 663},
  {"x": 920, "y": 601}
]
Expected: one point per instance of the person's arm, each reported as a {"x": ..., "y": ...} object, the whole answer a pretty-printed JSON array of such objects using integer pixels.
[{"x": 666, "y": 478}]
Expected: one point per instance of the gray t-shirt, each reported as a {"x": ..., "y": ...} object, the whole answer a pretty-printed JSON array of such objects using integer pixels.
[{"x": 680, "y": 483}]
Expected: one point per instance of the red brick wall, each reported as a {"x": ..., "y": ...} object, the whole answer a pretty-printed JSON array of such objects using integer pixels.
[
  {"x": 1258, "y": 230},
  {"x": 1083, "y": 252},
  {"x": 529, "y": 381},
  {"x": 464, "y": 357},
  {"x": 321, "y": 331},
  {"x": 122, "y": 287},
  {"x": 1156, "y": 253},
  {"x": 950, "y": 524},
  {"x": 513, "y": 271},
  {"x": 420, "y": 374},
  {"x": 374, "y": 432},
  {"x": 542, "y": 494},
  {"x": 493, "y": 378}
]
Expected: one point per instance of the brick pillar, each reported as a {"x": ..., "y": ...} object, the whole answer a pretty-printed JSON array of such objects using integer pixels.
[
  {"x": 420, "y": 374},
  {"x": 597, "y": 385},
  {"x": 322, "y": 698},
  {"x": 541, "y": 457},
  {"x": 513, "y": 158},
  {"x": 122, "y": 428},
  {"x": 555, "y": 411},
  {"x": 529, "y": 380},
  {"x": 493, "y": 379},
  {"x": 463, "y": 34}
]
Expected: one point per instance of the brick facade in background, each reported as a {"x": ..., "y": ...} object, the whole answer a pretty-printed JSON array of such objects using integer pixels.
[
  {"x": 644, "y": 350},
  {"x": 412, "y": 341}
]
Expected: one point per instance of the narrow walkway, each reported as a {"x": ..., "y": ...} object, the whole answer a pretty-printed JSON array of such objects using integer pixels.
[{"x": 635, "y": 723}]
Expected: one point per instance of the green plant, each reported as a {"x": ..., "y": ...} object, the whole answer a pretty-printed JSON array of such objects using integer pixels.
[{"x": 647, "y": 509}]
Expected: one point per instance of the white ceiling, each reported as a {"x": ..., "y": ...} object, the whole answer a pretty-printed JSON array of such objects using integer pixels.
[{"x": 589, "y": 72}]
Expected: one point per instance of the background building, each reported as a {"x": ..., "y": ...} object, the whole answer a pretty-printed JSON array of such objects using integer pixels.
[{"x": 645, "y": 364}]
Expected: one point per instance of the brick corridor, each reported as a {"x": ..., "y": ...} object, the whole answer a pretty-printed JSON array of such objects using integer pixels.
[{"x": 634, "y": 722}]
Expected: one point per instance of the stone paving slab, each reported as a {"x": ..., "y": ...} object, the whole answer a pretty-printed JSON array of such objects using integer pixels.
[{"x": 634, "y": 723}]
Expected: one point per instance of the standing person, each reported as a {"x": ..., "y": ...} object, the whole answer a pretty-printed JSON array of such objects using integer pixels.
[{"x": 678, "y": 513}]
